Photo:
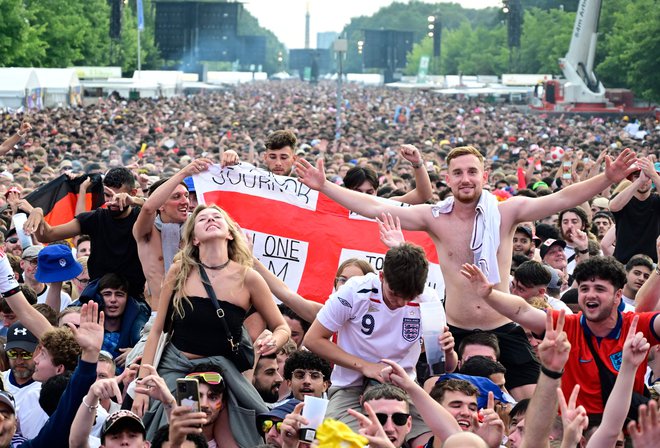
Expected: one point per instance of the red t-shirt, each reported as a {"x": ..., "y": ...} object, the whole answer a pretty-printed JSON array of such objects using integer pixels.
[{"x": 582, "y": 369}]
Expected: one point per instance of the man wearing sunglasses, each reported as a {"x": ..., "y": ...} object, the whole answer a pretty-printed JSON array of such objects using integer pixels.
[
  {"x": 392, "y": 408},
  {"x": 269, "y": 423},
  {"x": 12, "y": 243},
  {"x": 18, "y": 380}
]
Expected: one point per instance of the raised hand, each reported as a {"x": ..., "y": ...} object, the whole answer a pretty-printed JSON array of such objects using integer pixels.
[
  {"x": 390, "y": 230},
  {"x": 229, "y": 158},
  {"x": 574, "y": 418},
  {"x": 395, "y": 374},
  {"x": 291, "y": 426},
  {"x": 479, "y": 281},
  {"x": 554, "y": 349},
  {"x": 621, "y": 167},
  {"x": 411, "y": 154},
  {"x": 184, "y": 422},
  {"x": 197, "y": 166},
  {"x": 492, "y": 428},
  {"x": 371, "y": 428},
  {"x": 311, "y": 176},
  {"x": 89, "y": 334},
  {"x": 645, "y": 433},
  {"x": 106, "y": 389},
  {"x": 154, "y": 386},
  {"x": 635, "y": 347}
]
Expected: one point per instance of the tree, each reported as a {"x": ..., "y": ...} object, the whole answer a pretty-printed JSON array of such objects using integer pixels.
[
  {"x": 632, "y": 47},
  {"x": 546, "y": 36},
  {"x": 20, "y": 42}
]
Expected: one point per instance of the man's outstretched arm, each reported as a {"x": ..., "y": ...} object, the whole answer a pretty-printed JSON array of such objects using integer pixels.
[
  {"x": 531, "y": 209},
  {"x": 509, "y": 305},
  {"x": 412, "y": 218}
]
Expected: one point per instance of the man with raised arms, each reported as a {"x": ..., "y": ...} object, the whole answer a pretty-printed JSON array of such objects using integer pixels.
[{"x": 451, "y": 229}]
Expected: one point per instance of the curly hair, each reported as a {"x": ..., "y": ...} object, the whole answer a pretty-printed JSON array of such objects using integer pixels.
[
  {"x": 604, "y": 268},
  {"x": 303, "y": 359},
  {"x": 62, "y": 347},
  {"x": 188, "y": 257}
]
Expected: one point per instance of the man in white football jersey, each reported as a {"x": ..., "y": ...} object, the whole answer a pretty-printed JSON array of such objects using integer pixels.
[{"x": 376, "y": 317}]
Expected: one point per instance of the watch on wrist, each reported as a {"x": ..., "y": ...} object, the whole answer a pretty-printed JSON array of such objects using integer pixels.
[
  {"x": 417, "y": 165},
  {"x": 583, "y": 251}
]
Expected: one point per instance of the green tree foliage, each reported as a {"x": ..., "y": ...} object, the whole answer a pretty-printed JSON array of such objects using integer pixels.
[
  {"x": 546, "y": 36},
  {"x": 633, "y": 45},
  {"x": 20, "y": 36}
]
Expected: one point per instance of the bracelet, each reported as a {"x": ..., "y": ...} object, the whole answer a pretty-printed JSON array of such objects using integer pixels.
[
  {"x": 657, "y": 268},
  {"x": 89, "y": 408},
  {"x": 551, "y": 373},
  {"x": 417, "y": 165},
  {"x": 21, "y": 135},
  {"x": 585, "y": 251}
]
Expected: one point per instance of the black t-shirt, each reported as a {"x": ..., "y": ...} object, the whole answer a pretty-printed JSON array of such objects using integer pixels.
[
  {"x": 637, "y": 228},
  {"x": 113, "y": 248}
]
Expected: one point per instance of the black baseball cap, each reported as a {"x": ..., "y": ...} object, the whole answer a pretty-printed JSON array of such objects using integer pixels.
[
  {"x": 20, "y": 337},
  {"x": 547, "y": 244}
]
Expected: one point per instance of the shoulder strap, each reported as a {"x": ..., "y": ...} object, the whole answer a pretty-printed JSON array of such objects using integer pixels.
[
  {"x": 607, "y": 378},
  {"x": 218, "y": 310}
]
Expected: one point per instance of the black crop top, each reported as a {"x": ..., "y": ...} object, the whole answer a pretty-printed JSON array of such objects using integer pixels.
[{"x": 200, "y": 331}]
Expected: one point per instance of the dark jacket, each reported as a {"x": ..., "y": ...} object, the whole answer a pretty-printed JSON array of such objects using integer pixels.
[{"x": 55, "y": 433}]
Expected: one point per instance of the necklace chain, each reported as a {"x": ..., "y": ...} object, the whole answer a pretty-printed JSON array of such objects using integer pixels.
[{"x": 218, "y": 267}]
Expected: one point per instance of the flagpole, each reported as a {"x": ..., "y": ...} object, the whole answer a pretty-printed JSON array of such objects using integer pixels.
[{"x": 140, "y": 27}]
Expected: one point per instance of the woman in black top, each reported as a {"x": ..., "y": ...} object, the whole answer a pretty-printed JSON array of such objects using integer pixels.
[{"x": 214, "y": 241}]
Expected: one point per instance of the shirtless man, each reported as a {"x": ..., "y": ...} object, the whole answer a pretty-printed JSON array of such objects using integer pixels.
[
  {"x": 451, "y": 232},
  {"x": 167, "y": 204}
]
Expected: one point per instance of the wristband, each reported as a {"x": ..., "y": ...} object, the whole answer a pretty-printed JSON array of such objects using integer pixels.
[
  {"x": 585, "y": 251},
  {"x": 551, "y": 373},
  {"x": 20, "y": 135},
  {"x": 417, "y": 165},
  {"x": 90, "y": 409},
  {"x": 657, "y": 268},
  {"x": 8, "y": 284}
]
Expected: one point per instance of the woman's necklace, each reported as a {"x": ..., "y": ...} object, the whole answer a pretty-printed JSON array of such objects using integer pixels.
[{"x": 218, "y": 267}]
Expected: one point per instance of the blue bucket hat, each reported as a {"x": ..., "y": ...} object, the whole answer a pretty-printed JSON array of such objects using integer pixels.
[
  {"x": 55, "y": 263},
  {"x": 278, "y": 412}
]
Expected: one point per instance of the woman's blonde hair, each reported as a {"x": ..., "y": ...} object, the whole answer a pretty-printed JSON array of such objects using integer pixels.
[{"x": 188, "y": 256}]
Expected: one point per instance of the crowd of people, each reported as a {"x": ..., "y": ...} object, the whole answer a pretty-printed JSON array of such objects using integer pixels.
[{"x": 547, "y": 231}]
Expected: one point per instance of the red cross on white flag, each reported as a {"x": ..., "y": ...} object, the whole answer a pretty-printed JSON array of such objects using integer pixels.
[{"x": 302, "y": 236}]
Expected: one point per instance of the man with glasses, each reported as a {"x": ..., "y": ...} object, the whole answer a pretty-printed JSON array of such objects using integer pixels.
[
  {"x": 306, "y": 374},
  {"x": 269, "y": 423},
  {"x": 20, "y": 347},
  {"x": 12, "y": 243},
  {"x": 392, "y": 408}
]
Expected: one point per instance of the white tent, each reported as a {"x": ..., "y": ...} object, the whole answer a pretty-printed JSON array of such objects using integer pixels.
[
  {"x": 61, "y": 86},
  {"x": 19, "y": 87},
  {"x": 170, "y": 82}
]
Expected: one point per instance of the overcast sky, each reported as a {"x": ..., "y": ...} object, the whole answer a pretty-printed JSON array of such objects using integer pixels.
[{"x": 286, "y": 18}]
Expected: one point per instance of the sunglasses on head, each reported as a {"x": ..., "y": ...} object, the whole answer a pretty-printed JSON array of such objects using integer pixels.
[
  {"x": 398, "y": 418},
  {"x": 268, "y": 424},
  {"x": 13, "y": 354},
  {"x": 208, "y": 377}
]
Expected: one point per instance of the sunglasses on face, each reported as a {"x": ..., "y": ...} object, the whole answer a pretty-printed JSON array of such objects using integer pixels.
[
  {"x": 209, "y": 377},
  {"x": 398, "y": 418},
  {"x": 12, "y": 240},
  {"x": 268, "y": 424},
  {"x": 13, "y": 354}
]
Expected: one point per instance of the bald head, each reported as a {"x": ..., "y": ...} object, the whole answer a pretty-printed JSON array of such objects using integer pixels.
[{"x": 464, "y": 440}]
